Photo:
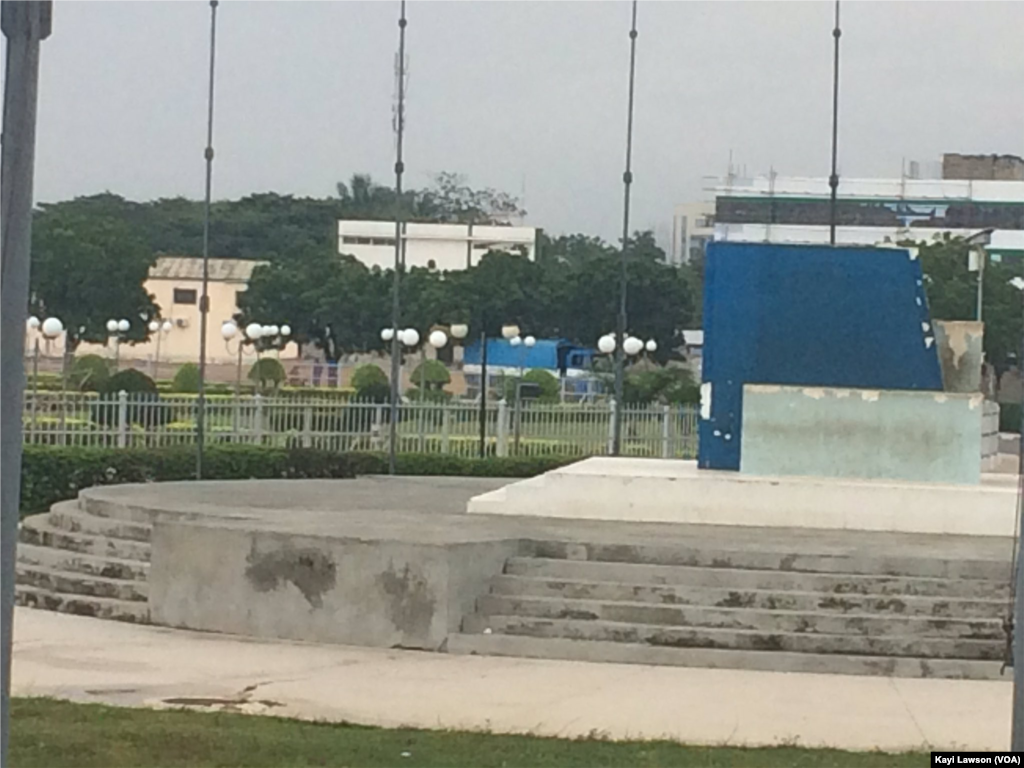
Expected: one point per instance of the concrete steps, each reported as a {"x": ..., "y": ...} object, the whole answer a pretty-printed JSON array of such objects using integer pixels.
[
  {"x": 98, "y": 607},
  {"x": 772, "y": 661},
  {"x": 656, "y": 604},
  {"x": 73, "y": 561}
]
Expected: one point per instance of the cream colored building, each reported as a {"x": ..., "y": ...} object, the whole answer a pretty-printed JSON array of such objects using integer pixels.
[{"x": 175, "y": 283}]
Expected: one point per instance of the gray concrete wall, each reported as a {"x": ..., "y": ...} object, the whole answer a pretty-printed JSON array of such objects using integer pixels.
[
  {"x": 284, "y": 585},
  {"x": 959, "y": 344},
  {"x": 873, "y": 434}
]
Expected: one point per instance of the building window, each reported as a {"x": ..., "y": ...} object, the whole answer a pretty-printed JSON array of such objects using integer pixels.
[{"x": 184, "y": 295}]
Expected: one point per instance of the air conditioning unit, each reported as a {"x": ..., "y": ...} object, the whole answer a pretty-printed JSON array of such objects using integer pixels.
[{"x": 181, "y": 322}]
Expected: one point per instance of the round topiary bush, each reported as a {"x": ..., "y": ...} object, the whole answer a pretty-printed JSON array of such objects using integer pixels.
[
  {"x": 89, "y": 373},
  {"x": 432, "y": 374},
  {"x": 186, "y": 378},
  {"x": 546, "y": 381},
  {"x": 371, "y": 383},
  {"x": 130, "y": 381},
  {"x": 267, "y": 373}
]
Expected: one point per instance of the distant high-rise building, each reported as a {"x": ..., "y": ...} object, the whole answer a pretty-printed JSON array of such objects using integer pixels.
[{"x": 693, "y": 225}]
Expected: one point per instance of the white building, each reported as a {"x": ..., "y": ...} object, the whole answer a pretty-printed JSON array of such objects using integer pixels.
[
  {"x": 693, "y": 225},
  {"x": 435, "y": 246},
  {"x": 870, "y": 211}
]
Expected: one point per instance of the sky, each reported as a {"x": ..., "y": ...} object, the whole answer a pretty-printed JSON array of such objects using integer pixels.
[{"x": 526, "y": 97}]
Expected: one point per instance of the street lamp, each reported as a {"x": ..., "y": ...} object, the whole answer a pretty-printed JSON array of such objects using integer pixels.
[
  {"x": 160, "y": 329},
  {"x": 50, "y": 328},
  {"x": 976, "y": 258},
  {"x": 526, "y": 344},
  {"x": 116, "y": 329}
]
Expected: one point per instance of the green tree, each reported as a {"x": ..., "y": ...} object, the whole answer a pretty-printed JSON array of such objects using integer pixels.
[
  {"x": 371, "y": 383},
  {"x": 186, "y": 378},
  {"x": 87, "y": 269},
  {"x": 952, "y": 292}
]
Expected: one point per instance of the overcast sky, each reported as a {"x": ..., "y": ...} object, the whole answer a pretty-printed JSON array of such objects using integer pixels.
[{"x": 518, "y": 94}]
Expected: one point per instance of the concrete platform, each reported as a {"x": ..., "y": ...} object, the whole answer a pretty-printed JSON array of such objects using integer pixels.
[
  {"x": 671, "y": 491},
  {"x": 399, "y": 563}
]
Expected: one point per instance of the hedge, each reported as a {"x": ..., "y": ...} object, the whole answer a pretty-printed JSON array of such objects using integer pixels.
[{"x": 56, "y": 473}]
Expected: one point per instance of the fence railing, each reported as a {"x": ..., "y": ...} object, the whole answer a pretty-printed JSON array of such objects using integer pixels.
[{"x": 531, "y": 429}]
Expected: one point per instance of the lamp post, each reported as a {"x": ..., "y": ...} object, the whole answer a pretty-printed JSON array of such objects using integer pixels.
[
  {"x": 396, "y": 351},
  {"x": 115, "y": 329},
  {"x": 833, "y": 179},
  {"x": 50, "y": 328},
  {"x": 527, "y": 344},
  {"x": 160, "y": 329},
  {"x": 976, "y": 258},
  {"x": 627, "y": 181}
]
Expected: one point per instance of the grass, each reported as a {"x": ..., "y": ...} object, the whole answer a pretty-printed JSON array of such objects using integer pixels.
[{"x": 52, "y": 734}]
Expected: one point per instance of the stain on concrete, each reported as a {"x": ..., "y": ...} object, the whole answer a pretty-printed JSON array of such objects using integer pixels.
[
  {"x": 410, "y": 603},
  {"x": 312, "y": 571}
]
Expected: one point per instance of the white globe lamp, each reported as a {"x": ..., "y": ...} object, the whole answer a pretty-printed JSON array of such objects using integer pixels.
[
  {"x": 112, "y": 326},
  {"x": 529, "y": 341},
  {"x": 509, "y": 331},
  {"x": 606, "y": 344},
  {"x": 166, "y": 327},
  {"x": 651, "y": 346},
  {"x": 228, "y": 330},
  {"x": 153, "y": 326},
  {"x": 410, "y": 337},
  {"x": 123, "y": 326},
  {"x": 286, "y": 330},
  {"x": 33, "y": 323},
  {"x": 459, "y": 331},
  {"x": 387, "y": 334},
  {"x": 52, "y": 327},
  {"x": 515, "y": 341},
  {"x": 632, "y": 346},
  {"x": 438, "y": 339},
  {"x": 254, "y": 330}
]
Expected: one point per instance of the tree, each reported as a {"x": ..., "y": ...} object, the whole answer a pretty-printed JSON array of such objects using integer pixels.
[
  {"x": 88, "y": 269},
  {"x": 952, "y": 295}
]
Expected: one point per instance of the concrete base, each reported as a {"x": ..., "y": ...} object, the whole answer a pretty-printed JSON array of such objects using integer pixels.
[{"x": 670, "y": 491}]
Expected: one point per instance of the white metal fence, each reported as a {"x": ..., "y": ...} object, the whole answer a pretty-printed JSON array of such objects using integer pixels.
[{"x": 533, "y": 429}]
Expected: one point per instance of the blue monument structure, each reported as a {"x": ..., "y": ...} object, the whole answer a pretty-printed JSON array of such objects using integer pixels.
[{"x": 836, "y": 351}]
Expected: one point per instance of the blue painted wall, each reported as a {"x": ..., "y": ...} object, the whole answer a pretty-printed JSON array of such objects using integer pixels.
[{"x": 807, "y": 315}]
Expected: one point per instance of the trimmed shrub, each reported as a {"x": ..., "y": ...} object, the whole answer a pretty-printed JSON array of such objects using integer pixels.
[
  {"x": 433, "y": 374},
  {"x": 371, "y": 383},
  {"x": 268, "y": 374},
  {"x": 89, "y": 373},
  {"x": 186, "y": 379},
  {"x": 50, "y": 474},
  {"x": 130, "y": 381},
  {"x": 545, "y": 380}
]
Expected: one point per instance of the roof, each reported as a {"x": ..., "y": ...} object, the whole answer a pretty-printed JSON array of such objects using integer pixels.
[{"x": 190, "y": 268}]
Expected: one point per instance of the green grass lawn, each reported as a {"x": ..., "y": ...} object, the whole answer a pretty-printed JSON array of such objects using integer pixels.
[{"x": 54, "y": 734}]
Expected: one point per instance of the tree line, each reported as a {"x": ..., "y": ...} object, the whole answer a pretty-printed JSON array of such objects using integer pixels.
[{"x": 91, "y": 256}]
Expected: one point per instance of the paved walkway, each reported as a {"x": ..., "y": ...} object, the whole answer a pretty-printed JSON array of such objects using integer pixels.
[{"x": 92, "y": 660}]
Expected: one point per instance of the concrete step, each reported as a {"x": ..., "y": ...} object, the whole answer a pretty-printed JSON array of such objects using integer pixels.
[
  {"x": 67, "y": 516},
  {"x": 71, "y": 583},
  {"x": 741, "y": 618},
  {"x": 726, "y": 597},
  {"x": 780, "y": 661},
  {"x": 114, "y": 510},
  {"x": 713, "y": 557},
  {"x": 759, "y": 579},
  {"x": 76, "y": 562},
  {"x": 739, "y": 639},
  {"x": 36, "y": 530},
  {"x": 99, "y": 607}
]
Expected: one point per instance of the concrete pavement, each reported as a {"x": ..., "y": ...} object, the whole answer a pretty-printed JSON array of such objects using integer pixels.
[{"x": 86, "y": 659}]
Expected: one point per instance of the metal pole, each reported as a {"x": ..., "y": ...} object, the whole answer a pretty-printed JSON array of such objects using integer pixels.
[
  {"x": 981, "y": 279},
  {"x": 833, "y": 180},
  {"x": 204, "y": 301},
  {"x": 627, "y": 180},
  {"x": 24, "y": 25},
  {"x": 1017, "y": 714},
  {"x": 35, "y": 386},
  {"x": 483, "y": 394},
  {"x": 396, "y": 307}
]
